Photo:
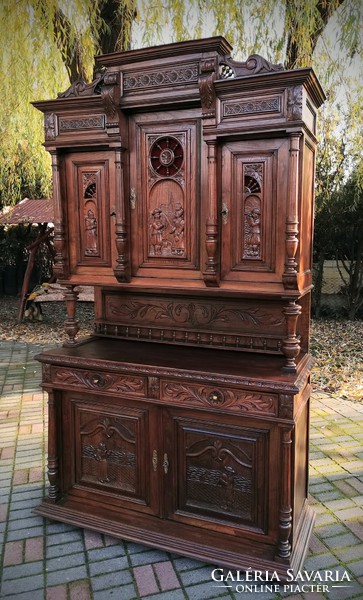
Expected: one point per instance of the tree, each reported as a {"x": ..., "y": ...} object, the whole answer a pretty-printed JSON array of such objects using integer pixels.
[{"x": 49, "y": 43}]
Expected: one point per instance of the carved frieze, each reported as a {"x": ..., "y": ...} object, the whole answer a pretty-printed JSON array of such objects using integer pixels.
[
  {"x": 81, "y": 123},
  {"x": 190, "y": 314},
  {"x": 224, "y": 398},
  {"x": 253, "y": 106},
  {"x": 160, "y": 78}
]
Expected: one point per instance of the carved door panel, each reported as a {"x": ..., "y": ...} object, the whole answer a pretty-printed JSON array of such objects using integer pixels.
[
  {"x": 90, "y": 190},
  {"x": 163, "y": 195},
  {"x": 220, "y": 473},
  {"x": 254, "y": 192},
  {"x": 110, "y": 450}
]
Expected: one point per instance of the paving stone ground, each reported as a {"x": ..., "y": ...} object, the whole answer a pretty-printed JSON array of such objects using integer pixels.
[{"x": 45, "y": 560}]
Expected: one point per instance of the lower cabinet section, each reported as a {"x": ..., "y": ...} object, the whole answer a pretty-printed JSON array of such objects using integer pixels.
[{"x": 222, "y": 483}]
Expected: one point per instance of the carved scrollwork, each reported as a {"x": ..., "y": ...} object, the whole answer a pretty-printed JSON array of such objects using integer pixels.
[
  {"x": 82, "y": 88},
  {"x": 207, "y": 92},
  {"x": 254, "y": 65}
]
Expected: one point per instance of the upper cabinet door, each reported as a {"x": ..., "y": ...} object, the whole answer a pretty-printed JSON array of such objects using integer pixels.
[
  {"x": 254, "y": 192},
  {"x": 164, "y": 189},
  {"x": 90, "y": 189}
]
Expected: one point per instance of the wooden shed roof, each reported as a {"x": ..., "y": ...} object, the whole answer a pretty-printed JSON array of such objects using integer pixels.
[{"x": 28, "y": 211}]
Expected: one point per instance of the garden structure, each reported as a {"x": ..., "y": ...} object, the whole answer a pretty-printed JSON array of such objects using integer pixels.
[{"x": 183, "y": 191}]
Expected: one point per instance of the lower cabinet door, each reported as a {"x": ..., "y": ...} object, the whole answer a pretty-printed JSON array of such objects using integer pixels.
[
  {"x": 220, "y": 472},
  {"x": 109, "y": 451}
]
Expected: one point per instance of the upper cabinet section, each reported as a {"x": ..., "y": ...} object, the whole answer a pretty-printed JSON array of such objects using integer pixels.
[
  {"x": 180, "y": 167},
  {"x": 233, "y": 96}
]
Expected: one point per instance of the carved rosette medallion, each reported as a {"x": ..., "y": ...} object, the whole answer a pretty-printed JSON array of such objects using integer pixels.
[{"x": 252, "y": 211}]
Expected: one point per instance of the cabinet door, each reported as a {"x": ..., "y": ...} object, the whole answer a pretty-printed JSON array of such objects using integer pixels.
[
  {"x": 220, "y": 472},
  {"x": 164, "y": 150},
  {"x": 90, "y": 200},
  {"x": 254, "y": 195},
  {"x": 108, "y": 451}
]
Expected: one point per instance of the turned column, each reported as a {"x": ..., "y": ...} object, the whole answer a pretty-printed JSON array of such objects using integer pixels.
[
  {"x": 289, "y": 277},
  {"x": 122, "y": 269},
  {"x": 285, "y": 509},
  {"x": 291, "y": 343},
  {"x": 60, "y": 264},
  {"x": 53, "y": 474},
  {"x": 211, "y": 273}
]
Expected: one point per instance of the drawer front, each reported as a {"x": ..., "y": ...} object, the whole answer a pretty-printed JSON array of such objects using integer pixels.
[
  {"x": 231, "y": 399},
  {"x": 82, "y": 379}
]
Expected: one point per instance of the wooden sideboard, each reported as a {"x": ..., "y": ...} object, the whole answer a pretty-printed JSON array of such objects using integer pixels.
[{"x": 183, "y": 191}]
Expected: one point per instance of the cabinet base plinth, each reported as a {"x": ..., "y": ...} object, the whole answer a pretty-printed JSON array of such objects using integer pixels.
[{"x": 224, "y": 551}]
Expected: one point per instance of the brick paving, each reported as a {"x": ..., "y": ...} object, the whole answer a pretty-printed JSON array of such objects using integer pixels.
[{"x": 45, "y": 560}]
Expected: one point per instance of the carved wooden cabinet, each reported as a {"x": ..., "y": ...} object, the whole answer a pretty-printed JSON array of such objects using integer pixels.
[{"x": 183, "y": 191}]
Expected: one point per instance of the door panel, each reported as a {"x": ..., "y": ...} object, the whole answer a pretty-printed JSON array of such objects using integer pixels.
[
  {"x": 220, "y": 474},
  {"x": 164, "y": 191},
  {"x": 112, "y": 450},
  {"x": 253, "y": 210},
  {"x": 90, "y": 189}
]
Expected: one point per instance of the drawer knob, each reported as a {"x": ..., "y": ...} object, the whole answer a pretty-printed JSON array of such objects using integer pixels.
[{"x": 215, "y": 397}]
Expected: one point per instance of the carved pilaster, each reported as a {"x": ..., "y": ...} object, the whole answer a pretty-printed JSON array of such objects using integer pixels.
[
  {"x": 71, "y": 325},
  {"x": 207, "y": 92},
  {"x": 285, "y": 509},
  {"x": 60, "y": 268},
  {"x": 211, "y": 273},
  {"x": 122, "y": 269},
  {"x": 291, "y": 344},
  {"x": 292, "y": 223},
  {"x": 53, "y": 492}
]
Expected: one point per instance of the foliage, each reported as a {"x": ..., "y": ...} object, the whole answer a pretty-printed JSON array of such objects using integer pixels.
[{"x": 46, "y": 44}]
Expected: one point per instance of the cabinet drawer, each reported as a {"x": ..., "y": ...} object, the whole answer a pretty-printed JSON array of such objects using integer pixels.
[
  {"x": 83, "y": 379},
  {"x": 231, "y": 399}
]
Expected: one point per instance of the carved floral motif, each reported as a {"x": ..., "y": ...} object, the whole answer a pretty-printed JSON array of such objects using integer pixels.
[
  {"x": 225, "y": 398},
  {"x": 94, "y": 122},
  {"x": 50, "y": 126},
  {"x": 294, "y": 103},
  {"x": 101, "y": 381}
]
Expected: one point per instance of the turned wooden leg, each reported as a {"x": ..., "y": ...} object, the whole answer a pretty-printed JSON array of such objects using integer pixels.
[
  {"x": 291, "y": 344},
  {"x": 71, "y": 325}
]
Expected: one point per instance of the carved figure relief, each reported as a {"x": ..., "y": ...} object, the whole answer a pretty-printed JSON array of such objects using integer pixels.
[
  {"x": 219, "y": 475},
  {"x": 90, "y": 211},
  {"x": 166, "y": 206},
  {"x": 253, "y": 179},
  {"x": 108, "y": 453}
]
